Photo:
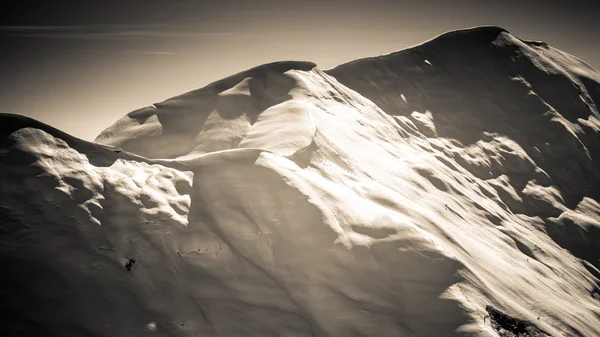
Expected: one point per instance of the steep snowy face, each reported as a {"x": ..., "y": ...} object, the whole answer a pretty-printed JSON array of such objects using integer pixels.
[
  {"x": 483, "y": 86},
  {"x": 404, "y": 195},
  {"x": 521, "y": 116}
]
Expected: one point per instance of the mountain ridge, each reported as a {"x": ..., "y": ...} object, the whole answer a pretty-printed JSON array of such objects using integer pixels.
[{"x": 429, "y": 192}]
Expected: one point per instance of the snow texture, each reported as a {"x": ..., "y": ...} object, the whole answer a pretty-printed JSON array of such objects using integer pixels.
[{"x": 450, "y": 189}]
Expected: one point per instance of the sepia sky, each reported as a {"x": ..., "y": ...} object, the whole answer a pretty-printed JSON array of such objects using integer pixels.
[{"x": 81, "y": 65}]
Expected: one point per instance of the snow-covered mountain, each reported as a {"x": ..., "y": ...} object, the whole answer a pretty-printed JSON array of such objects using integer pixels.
[{"x": 449, "y": 189}]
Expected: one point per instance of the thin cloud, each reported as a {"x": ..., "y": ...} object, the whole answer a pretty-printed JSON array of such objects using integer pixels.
[
  {"x": 159, "y": 53},
  {"x": 106, "y": 32}
]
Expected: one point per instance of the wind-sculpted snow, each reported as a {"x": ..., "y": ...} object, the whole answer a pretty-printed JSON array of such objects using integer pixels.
[
  {"x": 486, "y": 81},
  {"x": 217, "y": 117},
  {"x": 445, "y": 190}
]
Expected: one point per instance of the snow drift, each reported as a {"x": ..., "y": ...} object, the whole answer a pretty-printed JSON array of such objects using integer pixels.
[{"x": 450, "y": 189}]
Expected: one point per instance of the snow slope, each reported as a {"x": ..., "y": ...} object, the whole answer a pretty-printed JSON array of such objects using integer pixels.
[{"x": 400, "y": 195}]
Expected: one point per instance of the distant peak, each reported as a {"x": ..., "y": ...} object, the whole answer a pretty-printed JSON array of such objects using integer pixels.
[
  {"x": 460, "y": 39},
  {"x": 479, "y": 30},
  {"x": 278, "y": 67},
  {"x": 261, "y": 71},
  {"x": 474, "y": 35}
]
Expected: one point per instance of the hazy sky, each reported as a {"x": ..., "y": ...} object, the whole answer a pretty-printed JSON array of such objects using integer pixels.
[{"x": 79, "y": 65}]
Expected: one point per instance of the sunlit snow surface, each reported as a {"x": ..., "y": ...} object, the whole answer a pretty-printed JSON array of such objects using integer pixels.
[{"x": 391, "y": 196}]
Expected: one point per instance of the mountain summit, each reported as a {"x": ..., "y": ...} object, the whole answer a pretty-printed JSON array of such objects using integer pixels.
[{"x": 449, "y": 189}]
